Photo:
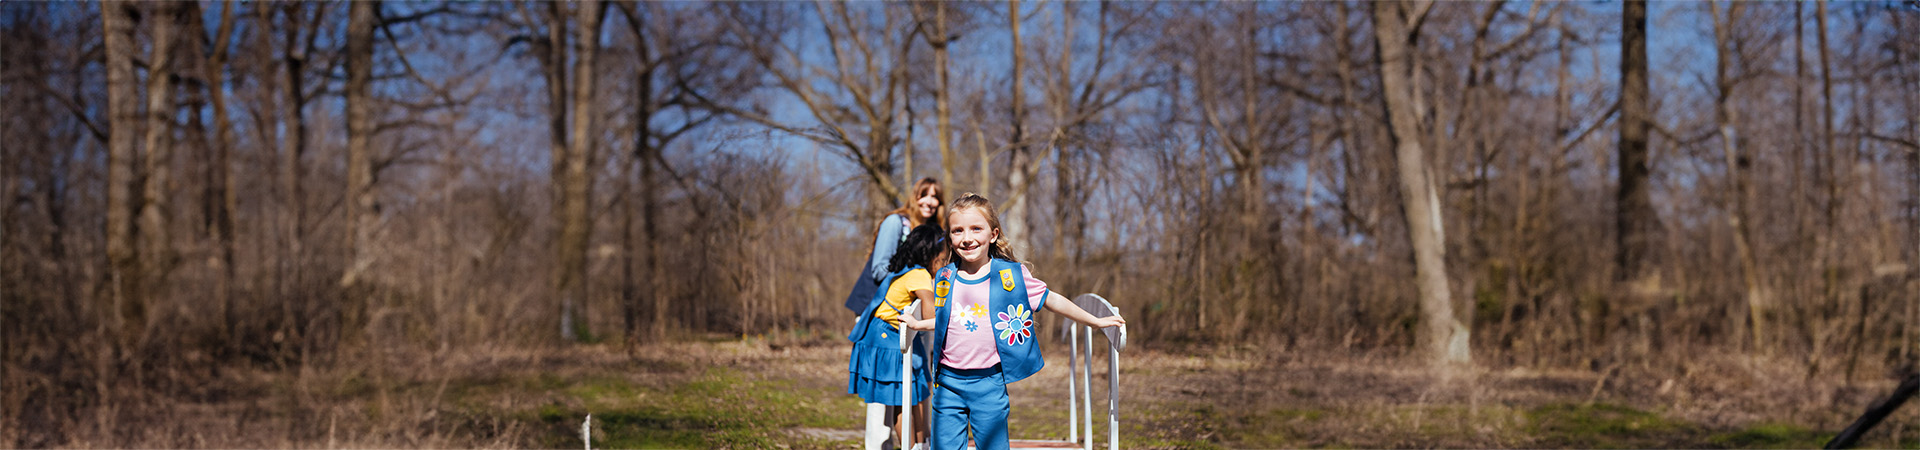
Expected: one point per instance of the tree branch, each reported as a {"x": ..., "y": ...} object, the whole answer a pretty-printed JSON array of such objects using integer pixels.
[{"x": 79, "y": 113}]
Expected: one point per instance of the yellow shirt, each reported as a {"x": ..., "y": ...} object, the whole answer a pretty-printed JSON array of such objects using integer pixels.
[{"x": 900, "y": 294}]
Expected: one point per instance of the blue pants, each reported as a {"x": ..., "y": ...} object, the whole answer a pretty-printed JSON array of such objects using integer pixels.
[{"x": 970, "y": 397}]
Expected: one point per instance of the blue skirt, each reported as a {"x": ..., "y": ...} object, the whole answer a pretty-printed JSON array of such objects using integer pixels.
[{"x": 873, "y": 373}]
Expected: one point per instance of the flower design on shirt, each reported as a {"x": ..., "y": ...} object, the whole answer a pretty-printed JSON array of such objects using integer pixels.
[
  {"x": 975, "y": 311},
  {"x": 1015, "y": 325},
  {"x": 971, "y": 326}
]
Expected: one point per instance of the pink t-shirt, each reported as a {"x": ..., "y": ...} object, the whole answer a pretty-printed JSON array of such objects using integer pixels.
[{"x": 970, "y": 326}]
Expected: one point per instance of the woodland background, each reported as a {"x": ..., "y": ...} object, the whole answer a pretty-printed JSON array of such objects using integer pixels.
[{"x": 194, "y": 188}]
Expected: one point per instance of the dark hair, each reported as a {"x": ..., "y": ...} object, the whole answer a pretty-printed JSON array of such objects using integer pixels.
[{"x": 923, "y": 243}]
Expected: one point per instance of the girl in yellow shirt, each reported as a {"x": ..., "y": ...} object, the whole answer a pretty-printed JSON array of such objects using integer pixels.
[{"x": 873, "y": 373}]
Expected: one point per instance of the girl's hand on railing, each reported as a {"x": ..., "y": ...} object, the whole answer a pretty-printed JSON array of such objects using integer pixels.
[
  {"x": 917, "y": 325},
  {"x": 1109, "y": 321}
]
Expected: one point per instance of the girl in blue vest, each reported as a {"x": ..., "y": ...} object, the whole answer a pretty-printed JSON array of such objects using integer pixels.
[
  {"x": 984, "y": 337},
  {"x": 874, "y": 371}
]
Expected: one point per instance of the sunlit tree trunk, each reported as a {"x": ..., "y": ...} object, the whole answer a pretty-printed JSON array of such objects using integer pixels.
[{"x": 1442, "y": 337}]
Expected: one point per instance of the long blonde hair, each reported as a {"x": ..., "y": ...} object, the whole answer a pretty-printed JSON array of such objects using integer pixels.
[{"x": 1000, "y": 248}]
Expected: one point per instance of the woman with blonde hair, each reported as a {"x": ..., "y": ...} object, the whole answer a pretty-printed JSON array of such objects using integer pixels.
[{"x": 928, "y": 200}]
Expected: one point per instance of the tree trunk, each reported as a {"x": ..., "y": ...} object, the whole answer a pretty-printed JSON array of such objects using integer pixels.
[
  {"x": 1740, "y": 193},
  {"x": 122, "y": 115},
  {"x": 942, "y": 96},
  {"x": 1068, "y": 203},
  {"x": 1634, "y": 200},
  {"x": 1910, "y": 334},
  {"x": 221, "y": 193},
  {"x": 569, "y": 281},
  {"x": 362, "y": 211},
  {"x": 1013, "y": 212},
  {"x": 293, "y": 143},
  {"x": 157, "y": 254},
  {"x": 642, "y": 155},
  {"x": 907, "y": 176},
  {"x": 1635, "y": 221},
  {"x": 1833, "y": 178},
  {"x": 1247, "y": 168},
  {"x": 629, "y": 283},
  {"x": 1348, "y": 108},
  {"x": 1396, "y": 28},
  {"x": 554, "y": 70},
  {"x": 649, "y": 232}
]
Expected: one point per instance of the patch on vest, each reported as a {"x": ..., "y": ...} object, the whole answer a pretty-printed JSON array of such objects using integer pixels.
[
  {"x": 1015, "y": 324},
  {"x": 1006, "y": 279},
  {"x": 940, "y": 292}
]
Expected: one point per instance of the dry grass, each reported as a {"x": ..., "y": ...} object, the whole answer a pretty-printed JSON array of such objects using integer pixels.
[{"x": 756, "y": 393}]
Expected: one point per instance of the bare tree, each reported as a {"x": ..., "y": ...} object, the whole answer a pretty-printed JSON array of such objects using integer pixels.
[
  {"x": 362, "y": 210},
  {"x": 1829, "y": 174},
  {"x": 676, "y": 61},
  {"x": 1636, "y": 224},
  {"x": 122, "y": 205},
  {"x": 1074, "y": 98},
  {"x": 939, "y": 37},
  {"x": 1397, "y": 30},
  {"x": 857, "y": 116},
  {"x": 1740, "y": 195},
  {"x": 300, "y": 53},
  {"x": 221, "y": 193},
  {"x": 575, "y": 181},
  {"x": 1013, "y": 215}
]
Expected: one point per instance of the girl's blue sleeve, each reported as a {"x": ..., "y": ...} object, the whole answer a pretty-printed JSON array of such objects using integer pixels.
[{"x": 884, "y": 244}]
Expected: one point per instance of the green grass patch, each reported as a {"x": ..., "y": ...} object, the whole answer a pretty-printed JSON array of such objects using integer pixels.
[
  {"x": 1773, "y": 435},
  {"x": 1606, "y": 426},
  {"x": 718, "y": 409}
]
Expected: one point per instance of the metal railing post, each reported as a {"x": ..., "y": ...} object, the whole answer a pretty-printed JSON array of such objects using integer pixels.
[
  {"x": 906, "y": 378},
  {"x": 1073, "y": 413},
  {"x": 1086, "y": 381}
]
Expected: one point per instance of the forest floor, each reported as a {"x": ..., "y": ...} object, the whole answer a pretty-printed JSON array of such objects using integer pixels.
[{"x": 756, "y": 393}]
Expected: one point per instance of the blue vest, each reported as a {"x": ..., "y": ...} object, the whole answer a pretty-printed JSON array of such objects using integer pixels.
[
  {"x": 876, "y": 343},
  {"x": 878, "y": 300},
  {"x": 1013, "y": 323}
]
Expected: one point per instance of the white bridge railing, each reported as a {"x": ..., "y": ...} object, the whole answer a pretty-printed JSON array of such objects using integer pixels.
[{"x": 1080, "y": 363}]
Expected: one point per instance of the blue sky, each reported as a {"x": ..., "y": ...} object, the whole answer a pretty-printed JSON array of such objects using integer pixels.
[{"x": 1679, "y": 38}]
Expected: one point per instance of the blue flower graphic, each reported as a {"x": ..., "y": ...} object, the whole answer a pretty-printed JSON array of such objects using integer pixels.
[{"x": 971, "y": 326}]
